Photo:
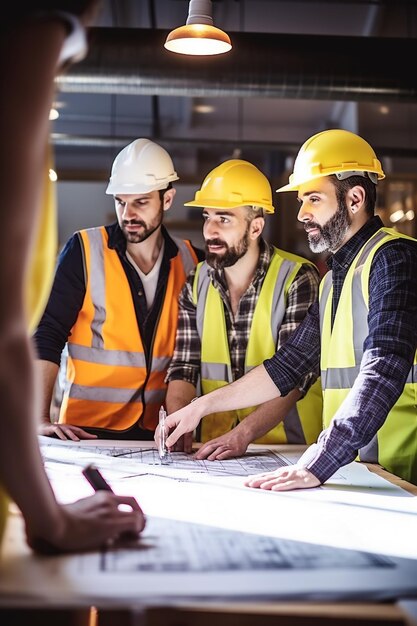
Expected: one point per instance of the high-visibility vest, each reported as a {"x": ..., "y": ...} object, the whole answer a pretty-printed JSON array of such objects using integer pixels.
[
  {"x": 110, "y": 383},
  {"x": 395, "y": 444},
  {"x": 304, "y": 421}
]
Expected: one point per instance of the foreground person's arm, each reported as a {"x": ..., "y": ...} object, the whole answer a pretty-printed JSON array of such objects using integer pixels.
[{"x": 28, "y": 87}]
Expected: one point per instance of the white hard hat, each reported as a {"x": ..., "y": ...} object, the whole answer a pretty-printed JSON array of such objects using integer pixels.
[{"x": 141, "y": 167}]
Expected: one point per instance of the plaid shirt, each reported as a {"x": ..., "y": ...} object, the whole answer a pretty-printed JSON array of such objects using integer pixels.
[
  {"x": 388, "y": 349},
  {"x": 185, "y": 364}
]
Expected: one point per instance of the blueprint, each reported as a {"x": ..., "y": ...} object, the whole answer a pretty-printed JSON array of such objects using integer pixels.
[
  {"x": 128, "y": 457},
  {"x": 185, "y": 547}
]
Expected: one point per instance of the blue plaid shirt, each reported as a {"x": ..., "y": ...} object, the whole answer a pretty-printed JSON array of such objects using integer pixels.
[{"x": 388, "y": 349}]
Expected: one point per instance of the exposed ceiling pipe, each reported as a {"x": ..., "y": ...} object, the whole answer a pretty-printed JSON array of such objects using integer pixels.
[
  {"x": 78, "y": 141},
  {"x": 134, "y": 61}
]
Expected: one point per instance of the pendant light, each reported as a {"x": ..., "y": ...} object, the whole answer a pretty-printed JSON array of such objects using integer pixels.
[{"x": 198, "y": 36}]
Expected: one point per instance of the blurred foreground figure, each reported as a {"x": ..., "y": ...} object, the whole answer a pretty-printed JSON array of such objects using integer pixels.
[{"x": 35, "y": 45}]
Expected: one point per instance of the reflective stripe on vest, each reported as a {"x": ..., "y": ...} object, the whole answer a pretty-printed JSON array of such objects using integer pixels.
[
  {"x": 109, "y": 383},
  {"x": 395, "y": 444},
  {"x": 303, "y": 423}
]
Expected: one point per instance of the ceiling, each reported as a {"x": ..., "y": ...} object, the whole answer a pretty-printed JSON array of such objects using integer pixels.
[{"x": 296, "y": 68}]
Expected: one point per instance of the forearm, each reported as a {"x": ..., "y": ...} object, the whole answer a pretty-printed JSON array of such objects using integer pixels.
[
  {"x": 35, "y": 50},
  {"x": 20, "y": 455},
  {"x": 244, "y": 392},
  {"x": 46, "y": 375},
  {"x": 179, "y": 394},
  {"x": 267, "y": 416}
]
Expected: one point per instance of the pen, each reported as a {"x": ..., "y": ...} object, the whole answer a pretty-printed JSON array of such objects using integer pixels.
[
  {"x": 99, "y": 483},
  {"x": 162, "y": 449},
  {"x": 96, "y": 479}
]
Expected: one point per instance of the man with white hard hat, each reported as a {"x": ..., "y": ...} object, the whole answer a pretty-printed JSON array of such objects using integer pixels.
[{"x": 114, "y": 304}]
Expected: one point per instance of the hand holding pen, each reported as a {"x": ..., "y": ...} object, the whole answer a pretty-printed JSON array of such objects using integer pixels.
[{"x": 127, "y": 524}]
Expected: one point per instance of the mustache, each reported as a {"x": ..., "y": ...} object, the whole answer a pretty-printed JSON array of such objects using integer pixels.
[
  {"x": 214, "y": 242},
  {"x": 133, "y": 222},
  {"x": 309, "y": 225}
]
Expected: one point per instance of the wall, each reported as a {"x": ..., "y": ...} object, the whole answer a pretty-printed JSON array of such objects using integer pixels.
[{"x": 86, "y": 204}]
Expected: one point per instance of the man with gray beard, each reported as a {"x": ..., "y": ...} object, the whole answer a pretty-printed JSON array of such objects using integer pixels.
[{"x": 363, "y": 332}]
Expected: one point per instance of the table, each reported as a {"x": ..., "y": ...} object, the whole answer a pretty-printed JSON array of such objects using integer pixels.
[{"x": 195, "y": 611}]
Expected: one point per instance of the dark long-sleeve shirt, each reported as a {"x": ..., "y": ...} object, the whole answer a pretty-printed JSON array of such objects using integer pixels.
[{"x": 388, "y": 349}]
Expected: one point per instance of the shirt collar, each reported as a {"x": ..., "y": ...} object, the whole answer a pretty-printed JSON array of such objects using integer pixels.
[
  {"x": 343, "y": 258},
  {"x": 117, "y": 241}
]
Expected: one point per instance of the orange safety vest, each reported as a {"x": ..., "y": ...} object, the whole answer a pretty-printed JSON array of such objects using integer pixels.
[{"x": 110, "y": 384}]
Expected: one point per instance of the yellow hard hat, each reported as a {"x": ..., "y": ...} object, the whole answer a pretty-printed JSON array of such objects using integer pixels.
[
  {"x": 232, "y": 184},
  {"x": 337, "y": 152}
]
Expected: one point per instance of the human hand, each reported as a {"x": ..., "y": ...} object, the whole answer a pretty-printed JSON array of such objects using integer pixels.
[
  {"x": 283, "y": 479},
  {"x": 178, "y": 423},
  {"x": 64, "y": 432},
  {"x": 228, "y": 446},
  {"x": 184, "y": 444},
  {"x": 89, "y": 523}
]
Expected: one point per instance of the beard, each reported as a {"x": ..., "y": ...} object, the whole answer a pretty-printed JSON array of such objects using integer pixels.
[
  {"x": 230, "y": 256},
  {"x": 332, "y": 233},
  {"x": 147, "y": 229}
]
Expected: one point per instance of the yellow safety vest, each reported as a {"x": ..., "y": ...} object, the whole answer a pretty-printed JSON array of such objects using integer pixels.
[
  {"x": 303, "y": 423},
  {"x": 395, "y": 444},
  {"x": 109, "y": 383}
]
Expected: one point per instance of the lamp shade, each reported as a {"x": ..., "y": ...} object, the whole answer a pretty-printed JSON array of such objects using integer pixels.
[
  {"x": 198, "y": 39},
  {"x": 198, "y": 36}
]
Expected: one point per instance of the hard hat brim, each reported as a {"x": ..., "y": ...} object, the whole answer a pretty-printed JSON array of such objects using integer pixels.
[
  {"x": 229, "y": 205},
  {"x": 288, "y": 187},
  {"x": 114, "y": 189},
  {"x": 295, "y": 186}
]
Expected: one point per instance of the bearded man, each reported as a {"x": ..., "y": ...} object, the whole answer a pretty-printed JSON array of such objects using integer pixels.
[
  {"x": 114, "y": 304},
  {"x": 236, "y": 309},
  {"x": 363, "y": 331}
]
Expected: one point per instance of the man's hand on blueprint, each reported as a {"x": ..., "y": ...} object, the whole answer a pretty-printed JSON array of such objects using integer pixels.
[
  {"x": 228, "y": 446},
  {"x": 283, "y": 479}
]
